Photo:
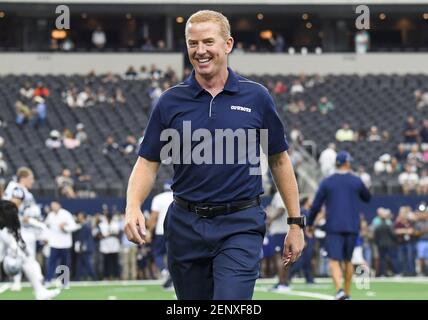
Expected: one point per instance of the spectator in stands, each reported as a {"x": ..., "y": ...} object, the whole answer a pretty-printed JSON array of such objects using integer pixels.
[
  {"x": 324, "y": 105},
  {"x": 53, "y": 45},
  {"x": 383, "y": 164},
  {"x": 39, "y": 112},
  {"x": 119, "y": 96},
  {"x": 423, "y": 183},
  {"x": 297, "y": 88},
  {"x": 280, "y": 88},
  {"x": 170, "y": 75},
  {"x": 65, "y": 184},
  {"x": 69, "y": 140},
  {"x": 421, "y": 99},
  {"x": 82, "y": 184},
  {"x": 423, "y": 133},
  {"x": 374, "y": 134},
  {"x": 345, "y": 133},
  {"x": 395, "y": 167},
  {"x": 109, "y": 229},
  {"x": 278, "y": 43},
  {"x": 54, "y": 140},
  {"x": 61, "y": 224},
  {"x": 3, "y": 166},
  {"x": 71, "y": 97},
  {"x": 401, "y": 154},
  {"x": 91, "y": 77},
  {"x": 23, "y": 113},
  {"x": 110, "y": 146},
  {"x": 85, "y": 98},
  {"x": 41, "y": 91},
  {"x": 327, "y": 160},
  {"x": 84, "y": 247},
  {"x": 296, "y": 136},
  {"x": 26, "y": 92},
  {"x": 362, "y": 41},
  {"x": 144, "y": 74},
  {"x": 131, "y": 73},
  {"x": 155, "y": 72},
  {"x": 386, "y": 242},
  {"x": 415, "y": 158},
  {"x": 408, "y": 180},
  {"x": 102, "y": 96},
  {"x": 296, "y": 106},
  {"x": 129, "y": 146},
  {"x": 154, "y": 93},
  {"x": 239, "y": 48},
  {"x": 81, "y": 134},
  {"x": 385, "y": 136},
  {"x": 110, "y": 78},
  {"x": 3, "y": 122},
  {"x": 361, "y": 134},
  {"x": 67, "y": 45},
  {"x": 421, "y": 231},
  {"x": 411, "y": 133},
  {"x": 99, "y": 38},
  {"x": 147, "y": 45},
  {"x": 403, "y": 229},
  {"x": 365, "y": 177}
]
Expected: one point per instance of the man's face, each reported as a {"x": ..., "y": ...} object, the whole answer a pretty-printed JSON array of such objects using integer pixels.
[
  {"x": 28, "y": 181},
  {"x": 207, "y": 49}
]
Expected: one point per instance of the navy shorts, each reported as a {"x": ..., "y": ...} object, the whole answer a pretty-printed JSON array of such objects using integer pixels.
[
  {"x": 340, "y": 246},
  {"x": 214, "y": 258},
  {"x": 277, "y": 241}
]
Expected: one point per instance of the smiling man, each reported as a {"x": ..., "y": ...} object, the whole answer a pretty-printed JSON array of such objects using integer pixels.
[{"x": 214, "y": 229}]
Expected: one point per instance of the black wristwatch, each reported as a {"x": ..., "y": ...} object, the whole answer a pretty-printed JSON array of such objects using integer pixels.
[{"x": 300, "y": 221}]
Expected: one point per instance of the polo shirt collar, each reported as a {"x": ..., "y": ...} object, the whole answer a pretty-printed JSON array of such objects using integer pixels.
[{"x": 231, "y": 85}]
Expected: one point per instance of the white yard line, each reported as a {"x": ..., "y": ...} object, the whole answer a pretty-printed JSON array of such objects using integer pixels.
[
  {"x": 4, "y": 288},
  {"x": 300, "y": 294},
  {"x": 418, "y": 280}
]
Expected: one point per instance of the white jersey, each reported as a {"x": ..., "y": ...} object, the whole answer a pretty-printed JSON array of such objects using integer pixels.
[
  {"x": 161, "y": 203},
  {"x": 15, "y": 190},
  {"x": 279, "y": 225},
  {"x": 8, "y": 245}
]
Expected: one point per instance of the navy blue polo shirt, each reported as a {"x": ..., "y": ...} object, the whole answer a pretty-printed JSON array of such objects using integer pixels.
[
  {"x": 341, "y": 193},
  {"x": 243, "y": 104}
]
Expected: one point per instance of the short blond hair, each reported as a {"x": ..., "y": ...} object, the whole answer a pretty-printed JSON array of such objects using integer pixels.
[
  {"x": 211, "y": 16},
  {"x": 23, "y": 172}
]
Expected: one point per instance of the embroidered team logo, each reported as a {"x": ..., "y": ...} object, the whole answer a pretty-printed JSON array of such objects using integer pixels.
[{"x": 240, "y": 108}]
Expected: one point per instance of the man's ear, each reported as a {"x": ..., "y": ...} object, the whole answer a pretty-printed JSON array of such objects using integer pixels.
[{"x": 229, "y": 45}]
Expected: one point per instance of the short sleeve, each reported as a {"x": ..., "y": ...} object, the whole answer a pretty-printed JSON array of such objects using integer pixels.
[
  {"x": 277, "y": 141},
  {"x": 151, "y": 144},
  {"x": 18, "y": 193}
]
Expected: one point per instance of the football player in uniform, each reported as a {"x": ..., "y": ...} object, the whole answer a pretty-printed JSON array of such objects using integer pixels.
[
  {"x": 14, "y": 254},
  {"x": 18, "y": 192}
]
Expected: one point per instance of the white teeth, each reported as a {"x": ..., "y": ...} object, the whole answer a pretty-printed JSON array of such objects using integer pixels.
[{"x": 203, "y": 60}]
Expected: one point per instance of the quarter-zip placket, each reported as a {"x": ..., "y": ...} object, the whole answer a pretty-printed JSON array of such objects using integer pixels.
[{"x": 211, "y": 102}]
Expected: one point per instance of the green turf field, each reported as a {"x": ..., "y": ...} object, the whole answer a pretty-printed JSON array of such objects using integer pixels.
[{"x": 380, "y": 289}]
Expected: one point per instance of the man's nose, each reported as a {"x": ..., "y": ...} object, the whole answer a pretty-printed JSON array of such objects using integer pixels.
[{"x": 201, "y": 49}]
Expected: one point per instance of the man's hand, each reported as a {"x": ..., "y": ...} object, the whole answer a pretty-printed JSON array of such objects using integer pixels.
[
  {"x": 293, "y": 245},
  {"x": 135, "y": 226}
]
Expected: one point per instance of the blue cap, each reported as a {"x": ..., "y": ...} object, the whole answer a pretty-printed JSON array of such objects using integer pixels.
[{"x": 342, "y": 157}]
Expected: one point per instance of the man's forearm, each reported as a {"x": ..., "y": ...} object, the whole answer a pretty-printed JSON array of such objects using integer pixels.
[
  {"x": 285, "y": 180},
  {"x": 140, "y": 182}
]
